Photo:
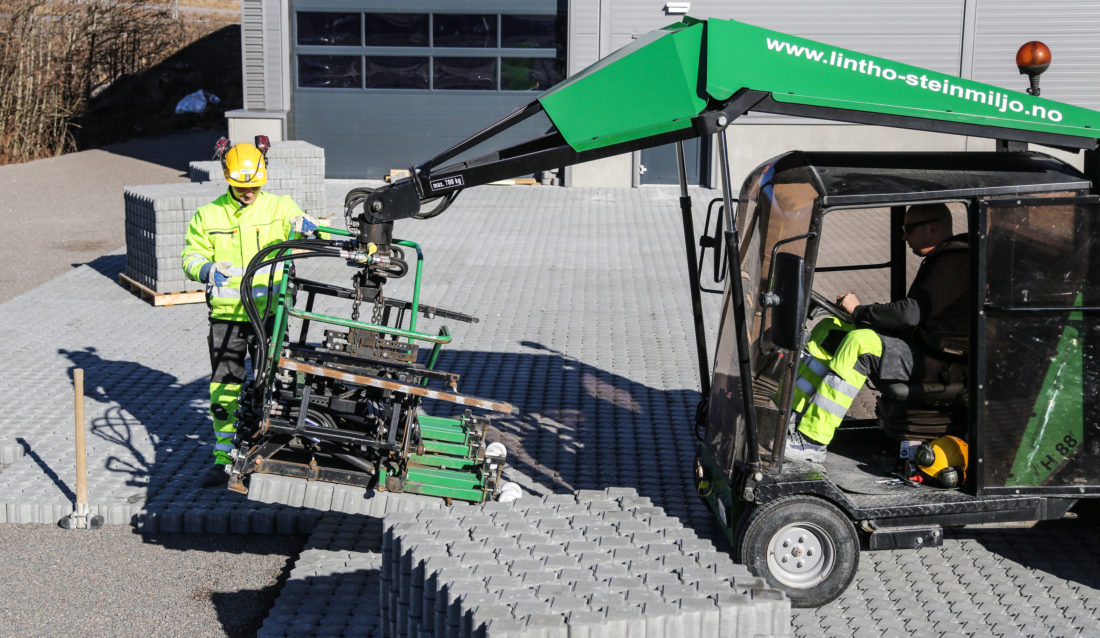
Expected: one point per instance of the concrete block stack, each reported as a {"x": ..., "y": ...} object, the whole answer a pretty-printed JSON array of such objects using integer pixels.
[
  {"x": 332, "y": 497},
  {"x": 156, "y": 222},
  {"x": 207, "y": 171},
  {"x": 307, "y": 161},
  {"x": 333, "y": 587},
  {"x": 285, "y": 179},
  {"x": 595, "y": 563}
]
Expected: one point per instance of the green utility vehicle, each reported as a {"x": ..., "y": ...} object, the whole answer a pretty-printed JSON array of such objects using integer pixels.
[{"x": 1027, "y": 406}]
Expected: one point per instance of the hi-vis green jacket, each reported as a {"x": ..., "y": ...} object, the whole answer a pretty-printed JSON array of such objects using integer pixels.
[{"x": 223, "y": 230}]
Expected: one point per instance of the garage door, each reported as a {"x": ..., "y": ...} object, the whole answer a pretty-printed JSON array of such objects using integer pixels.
[{"x": 383, "y": 89}]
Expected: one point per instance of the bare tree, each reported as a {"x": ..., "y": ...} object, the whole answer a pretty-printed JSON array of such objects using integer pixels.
[{"x": 56, "y": 54}]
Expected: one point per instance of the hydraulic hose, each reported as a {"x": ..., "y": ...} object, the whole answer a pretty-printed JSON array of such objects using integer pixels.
[
  {"x": 358, "y": 196},
  {"x": 444, "y": 204},
  {"x": 314, "y": 248},
  {"x": 249, "y": 304}
]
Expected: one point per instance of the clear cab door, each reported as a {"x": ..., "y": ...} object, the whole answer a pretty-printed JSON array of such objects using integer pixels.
[{"x": 1037, "y": 403}]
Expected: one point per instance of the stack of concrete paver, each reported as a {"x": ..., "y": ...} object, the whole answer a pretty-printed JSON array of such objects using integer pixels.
[
  {"x": 284, "y": 180},
  {"x": 593, "y": 563},
  {"x": 331, "y": 497},
  {"x": 308, "y": 162},
  {"x": 156, "y": 223},
  {"x": 334, "y": 585},
  {"x": 157, "y": 215}
]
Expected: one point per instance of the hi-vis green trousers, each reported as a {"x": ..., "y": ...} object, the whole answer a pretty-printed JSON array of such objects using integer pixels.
[{"x": 834, "y": 366}]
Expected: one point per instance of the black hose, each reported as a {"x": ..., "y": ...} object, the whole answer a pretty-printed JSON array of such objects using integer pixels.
[
  {"x": 444, "y": 204},
  {"x": 249, "y": 304},
  {"x": 358, "y": 196},
  {"x": 353, "y": 198},
  {"x": 320, "y": 248}
]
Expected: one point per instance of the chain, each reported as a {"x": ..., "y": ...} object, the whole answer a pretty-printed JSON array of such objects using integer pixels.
[
  {"x": 376, "y": 314},
  {"x": 355, "y": 304},
  {"x": 376, "y": 311}
]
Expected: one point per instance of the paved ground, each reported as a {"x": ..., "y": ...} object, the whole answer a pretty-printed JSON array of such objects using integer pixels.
[{"x": 583, "y": 326}]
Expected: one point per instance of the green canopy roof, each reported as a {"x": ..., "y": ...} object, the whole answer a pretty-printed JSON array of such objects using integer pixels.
[{"x": 660, "y": 81}]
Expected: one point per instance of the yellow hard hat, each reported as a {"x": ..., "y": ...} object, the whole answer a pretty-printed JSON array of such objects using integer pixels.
[{"x": 245, "y": 166}]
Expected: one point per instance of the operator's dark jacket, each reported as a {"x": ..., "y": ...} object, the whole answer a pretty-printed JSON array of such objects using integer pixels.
[{"x": 933, "y": 316}]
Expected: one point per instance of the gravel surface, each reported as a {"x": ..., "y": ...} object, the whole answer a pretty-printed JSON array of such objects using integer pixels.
[
  {"x": 65, "y": 211},
  {"x": 113, "y": 582}
]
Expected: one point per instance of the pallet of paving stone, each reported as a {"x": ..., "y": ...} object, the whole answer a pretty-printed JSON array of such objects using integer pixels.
[
  {"x": 594, "y": 563},
  {"x": 161, "y": 298}
]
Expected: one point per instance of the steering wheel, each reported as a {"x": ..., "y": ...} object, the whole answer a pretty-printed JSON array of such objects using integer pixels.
[{"x": 818, "y": 300}]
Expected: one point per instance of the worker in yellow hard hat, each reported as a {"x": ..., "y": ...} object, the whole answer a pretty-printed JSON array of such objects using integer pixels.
[{"x": 221, "y": 239}]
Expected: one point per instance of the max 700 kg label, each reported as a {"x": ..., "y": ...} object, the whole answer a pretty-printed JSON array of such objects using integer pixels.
[{"x": 447, "y": 183}]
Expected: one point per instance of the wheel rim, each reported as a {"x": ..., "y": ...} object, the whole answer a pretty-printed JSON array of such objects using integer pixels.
[{"x": 801, "y": 555}]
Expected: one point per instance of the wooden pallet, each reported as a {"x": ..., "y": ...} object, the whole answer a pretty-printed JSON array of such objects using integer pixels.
[
  {"x": 161, "y": 298},
  {"x": 518, "y": 181}
]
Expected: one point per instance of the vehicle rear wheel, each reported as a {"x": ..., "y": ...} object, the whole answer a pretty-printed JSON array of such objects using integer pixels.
[{"x": 802, "y": 545}]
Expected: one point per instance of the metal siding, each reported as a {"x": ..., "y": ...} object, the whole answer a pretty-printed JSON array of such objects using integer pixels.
[
  {"x": 1070, "y": 28},
  {"x": 252, "y": 54},
  {"x": 273, "y": 54},
  {"x": 926, "y": 34},
  {"x": 584, "y": 35},
  {"x": 366, "y": 135}
]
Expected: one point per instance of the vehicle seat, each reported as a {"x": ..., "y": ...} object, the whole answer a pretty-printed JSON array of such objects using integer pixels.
[{"x": 922, "y": 411}]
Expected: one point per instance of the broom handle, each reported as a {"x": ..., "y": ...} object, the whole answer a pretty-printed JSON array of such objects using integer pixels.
[{"x": 81, "y": 458}]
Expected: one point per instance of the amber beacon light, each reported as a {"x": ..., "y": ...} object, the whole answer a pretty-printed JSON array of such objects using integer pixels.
[{"x": 1033, "y": 58}]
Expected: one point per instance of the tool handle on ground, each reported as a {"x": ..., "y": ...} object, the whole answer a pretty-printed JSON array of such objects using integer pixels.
[{"x": 81, "y": 457}]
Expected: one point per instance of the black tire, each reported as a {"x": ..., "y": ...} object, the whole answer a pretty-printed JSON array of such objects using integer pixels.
[{"x": 803, "y": 546}]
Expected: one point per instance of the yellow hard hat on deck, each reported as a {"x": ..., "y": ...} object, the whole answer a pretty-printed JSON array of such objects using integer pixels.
[{"x": 244, "y": 166}]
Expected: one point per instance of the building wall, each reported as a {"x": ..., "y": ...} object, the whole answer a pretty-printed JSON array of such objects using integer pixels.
[
  {"x": 969, "y": 38},
  {"x": 264, "y": 60}
]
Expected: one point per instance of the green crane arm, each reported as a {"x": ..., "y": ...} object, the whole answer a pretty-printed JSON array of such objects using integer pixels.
[{"x": 696, "y": 76}]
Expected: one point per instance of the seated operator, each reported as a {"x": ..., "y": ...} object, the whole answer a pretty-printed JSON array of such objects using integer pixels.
[{"x": 920, "y": 337}]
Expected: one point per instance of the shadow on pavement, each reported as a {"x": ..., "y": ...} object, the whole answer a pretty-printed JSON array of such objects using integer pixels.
[
  {"x": 578, "y": 426},
  {"x": 108, "y": 265},
  {"x": 175, "y": 150},
  {"x": 581, "y": 427},
  {"x": 241, "y": 612},
  {"x": 156, "y": 421},
  {"x": 46, "y": 469},
  {"x": 1064, "y": 549},
  {"x": 343, "y": 604}
]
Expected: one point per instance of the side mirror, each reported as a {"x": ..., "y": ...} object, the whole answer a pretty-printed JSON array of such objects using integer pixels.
[
  {"x": 714, "y": 242},
  {"x": 785, "y": 296}
]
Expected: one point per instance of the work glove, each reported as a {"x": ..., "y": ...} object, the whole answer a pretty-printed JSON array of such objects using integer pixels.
[
  {"x": 303, "y": 224},
  {"x": 215, "y": 272}
]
